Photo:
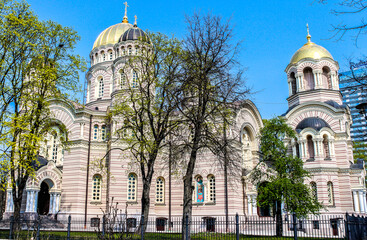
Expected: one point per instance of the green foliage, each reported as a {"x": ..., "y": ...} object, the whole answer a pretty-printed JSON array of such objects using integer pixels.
[
  {"x": 36, "y": 65},
  {"x": 283, "y": 173},
  {"x": 359, "y": 151}
]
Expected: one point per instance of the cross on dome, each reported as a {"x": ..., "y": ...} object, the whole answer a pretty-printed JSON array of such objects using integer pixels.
[
  {"x": 136, "y": 21},
  {"x": 308, "y": 34},
  {"x": 125, "y": 17}
]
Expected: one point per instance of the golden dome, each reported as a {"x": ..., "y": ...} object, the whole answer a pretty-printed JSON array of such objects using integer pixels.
[
  {"x": 112, "y": 34},
  {"x": 310, "y": 50}
]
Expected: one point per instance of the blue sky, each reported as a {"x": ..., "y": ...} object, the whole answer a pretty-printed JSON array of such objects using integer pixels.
[{"x": 271, "y": 31}]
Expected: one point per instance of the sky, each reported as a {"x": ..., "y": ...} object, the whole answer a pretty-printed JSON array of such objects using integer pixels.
[{"x": 271, "y": 31}]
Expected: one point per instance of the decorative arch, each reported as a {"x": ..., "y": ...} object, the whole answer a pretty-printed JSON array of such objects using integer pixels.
[
  {"x": 306, "y": 64},
  {"x": 309, "y": 79}
]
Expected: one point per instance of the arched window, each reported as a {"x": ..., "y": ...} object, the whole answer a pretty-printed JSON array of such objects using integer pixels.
[
  {"x": 159, "y": 190},
  {"x": 122, "y": 78},
  {"x": 96, "y": 58},
  {"x": 103, "y": 132},
  {"x": 309, "y": 78},
  {"x": 314, "y": 190},
  {"x": 131, "y": 187},
  {"x": 297, "y": 150},
  {"x": 103, "y": 56},
  {"x": 130, "y": 51},
  {"x": 92, "y": 60},
  {"x": 137, "y": 50},
  {"x": 97, "y": 188},
  {"x": 326, "y": 78},
  {"x": 54, "y": 148},
  {"x": 95, "y": 132},
  {"x": 310, "y": 148},
  {"x": 325, "y": 143},
  {"x": 330, "y": 193},
  {"x": 211, "y": 192},
  {"x": 100, "y": 88},
  {"x": 293, "y": 83},
  {"x": 135, "y": 79},
  {"x": 199, "y": 189},
  {"x": 123, "y": 51},
  {"x": 110, "y": 53},
  {"x": 117, "y": 52}
]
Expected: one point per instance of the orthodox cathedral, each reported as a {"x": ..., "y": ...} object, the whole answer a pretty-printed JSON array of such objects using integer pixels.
[{"x": 68, "y": 183}]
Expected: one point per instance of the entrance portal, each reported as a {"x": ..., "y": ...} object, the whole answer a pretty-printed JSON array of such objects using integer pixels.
[{"x": 43, "y": 204}]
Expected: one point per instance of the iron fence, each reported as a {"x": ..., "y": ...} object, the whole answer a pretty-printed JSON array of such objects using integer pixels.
[{"x": 214, "y": 227}]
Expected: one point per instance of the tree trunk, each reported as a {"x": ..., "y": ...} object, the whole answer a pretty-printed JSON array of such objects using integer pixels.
[
  {"x": 187, "y": 207},
  {"x": 279, "y": 220},
  {"x": 145, "y": 203}
]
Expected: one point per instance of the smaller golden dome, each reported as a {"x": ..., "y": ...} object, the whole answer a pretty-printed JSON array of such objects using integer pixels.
[
  {"x": 112, "y": 34},
  {"x": 310, "y": 50}
]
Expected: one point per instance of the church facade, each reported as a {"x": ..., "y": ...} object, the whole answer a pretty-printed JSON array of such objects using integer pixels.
[{"x": 70, "y": 182}]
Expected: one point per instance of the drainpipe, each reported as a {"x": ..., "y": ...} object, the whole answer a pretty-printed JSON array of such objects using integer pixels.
[{"x": 87, "y": 181}]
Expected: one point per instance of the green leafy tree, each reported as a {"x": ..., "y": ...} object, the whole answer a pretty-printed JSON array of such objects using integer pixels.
[
  {"x": 359, "y": 150},
  {"x": 145, "y": 105},
  {"x": 283, "y": 174},
  {"x": 36, "y": 65}
]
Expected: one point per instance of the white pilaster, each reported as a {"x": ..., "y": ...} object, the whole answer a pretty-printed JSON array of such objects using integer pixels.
[
  {"x": 254, "y": 206},
  {"x": 249, "y": 205},
  {"x": 361, "y": 202},
  {"x": 9, "y": 201},
  {"x": 356, "y": 202}
]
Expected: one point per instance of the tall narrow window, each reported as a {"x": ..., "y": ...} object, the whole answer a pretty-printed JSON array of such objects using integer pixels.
[
  {"x": 309, "y": 78},
  {"x": 95, "y": 132},
  {"x": 131, "y": 188},
  {"x": 123, "y": 51},
  {"x": 314, "y": 190},
  {"x": 117, "y": 52},
  {"x": 326, "y": 78},
  {"x": 297, "y": 150},
  {"x": 330, "y": 193},
  {"x": 111, "y": 55},
  {"x": 130, "y": 51},
  {"x": 103, "y": 133},
  {"x": 135, "y": 79},
  {"x": 96, "y": 58},
  {"x": 96, "y": 188},
  {"x": 310, "y": 148},
  {"x": 160, "y": 190},
  {"x": 199, "y": 189},
  {"x": 54, "y": 148},
  {"x": 101, "y": 88},
  {"x": 293, "y": 83},
  {"x": 325, "y": 143},
  {"x": 137, "y": 51},
  {"x": 122, "y": 79},
  {"x": 211, "y": 186},
  {"x": 103, "y": 57}
]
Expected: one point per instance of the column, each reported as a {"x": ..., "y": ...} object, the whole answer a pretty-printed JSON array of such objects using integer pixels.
[
  {"x": 9, "y": 202},
  {"x": 35, "y": 201},
  {"x": 290, "y": 87},
  {"x": 50, "y": 210},
  {"x": 28, "y": 203},
  {"x": 361, "y": 204},
  {"x": 58, "y": 202},
  {"x": 364, "y": 201},
  {"x": 316, "y": 79},
  {"x": 254, "y": 207},
  {"x": 249, "y": 205},
  {"x": 355, "y": 201}
]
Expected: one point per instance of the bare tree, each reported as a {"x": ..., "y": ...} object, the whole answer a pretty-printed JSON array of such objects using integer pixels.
[
  {"x": 213, "y": 83},
  {"x": 348, "y": 7},
  {"x": 145, "y": 105}
]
